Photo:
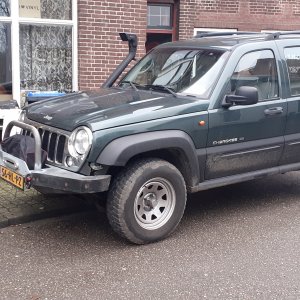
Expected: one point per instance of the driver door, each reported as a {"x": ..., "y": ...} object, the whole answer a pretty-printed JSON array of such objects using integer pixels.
[{"x": 248, "y": 138}]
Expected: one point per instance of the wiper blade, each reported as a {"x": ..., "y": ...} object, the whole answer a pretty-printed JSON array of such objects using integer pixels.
[
  {"x": 161, "y": 88},
  {"x": 132, "y": 84}
]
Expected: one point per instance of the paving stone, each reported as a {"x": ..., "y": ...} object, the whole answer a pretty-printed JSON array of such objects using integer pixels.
[{"x": 17, "y": 206}]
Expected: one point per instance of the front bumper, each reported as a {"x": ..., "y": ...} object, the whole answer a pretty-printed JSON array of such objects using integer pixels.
[
  {"x": 51, "y": 179},
  {"x": 56, "y": 180}
]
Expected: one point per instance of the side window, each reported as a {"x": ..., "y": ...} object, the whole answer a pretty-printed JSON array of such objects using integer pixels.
[
  {"x": 292, "y": 57},
  {"x": 257, "y": 69}
]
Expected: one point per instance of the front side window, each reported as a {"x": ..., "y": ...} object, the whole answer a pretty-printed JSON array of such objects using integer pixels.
[
  {"x": 292, "y": 57},
  {"x": 187, "y": 71},
  {"x": 257, "y": 69}
]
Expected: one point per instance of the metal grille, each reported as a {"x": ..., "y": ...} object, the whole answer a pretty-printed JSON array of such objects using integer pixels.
[{"x": 53, "y": 143}]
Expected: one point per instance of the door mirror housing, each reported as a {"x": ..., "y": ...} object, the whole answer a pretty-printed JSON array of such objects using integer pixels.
[{"x": 244, "y": 95}]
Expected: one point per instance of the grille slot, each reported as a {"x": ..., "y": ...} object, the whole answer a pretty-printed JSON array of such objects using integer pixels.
[
  {"x": 60, "y": 148},
  {"x": 53, "y": 143},
  {"x": 45, "y": 140},
  {"x": 52, "y": 146}
]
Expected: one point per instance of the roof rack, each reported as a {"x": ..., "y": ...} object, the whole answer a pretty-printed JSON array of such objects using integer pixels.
[
  {"x": 276, "y": 35},
  {"x": 269, "y": 36},
  {"x": 218, "y": 33}
]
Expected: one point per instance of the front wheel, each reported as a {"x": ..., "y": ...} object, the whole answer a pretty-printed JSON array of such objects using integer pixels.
[{"x": 146, "y": 201}]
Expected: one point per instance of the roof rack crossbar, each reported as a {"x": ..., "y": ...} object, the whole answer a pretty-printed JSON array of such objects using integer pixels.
[
  {"x": 276, "y": 35},
  {"x": 269, "y": 36},
  {"x": 218, "y": 33}
]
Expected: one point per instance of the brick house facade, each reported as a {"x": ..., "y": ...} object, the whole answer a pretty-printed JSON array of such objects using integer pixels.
[
  {"x": 99, "y": 47},
  {"x": 99, "y": 22}
]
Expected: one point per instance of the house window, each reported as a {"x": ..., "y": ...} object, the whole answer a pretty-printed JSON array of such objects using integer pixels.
[
  {"x": 5, "y": 51},
  {"x": 161, "y": 24},
  {"x": 45, "y": 9},
  {"x": 5, "y": 61},
  {"x": 4, "y": 8},
  {"x": 46, "y": 57},
  {"x": 159, "y": 16},
  {"x": 38, "y": 46}
]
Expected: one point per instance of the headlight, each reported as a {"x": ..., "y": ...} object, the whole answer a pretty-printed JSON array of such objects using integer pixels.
[{"x": 80, "y": 141}]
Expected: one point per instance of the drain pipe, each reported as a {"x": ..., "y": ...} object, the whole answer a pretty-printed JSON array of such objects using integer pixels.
[{"x": 132, "y": 43}]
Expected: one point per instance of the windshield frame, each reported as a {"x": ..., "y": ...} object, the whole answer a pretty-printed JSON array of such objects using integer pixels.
[{"x": 222, "y": 59}]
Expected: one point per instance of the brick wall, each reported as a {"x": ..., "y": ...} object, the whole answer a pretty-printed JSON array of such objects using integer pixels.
[
  {"x": 99, "y": 21},
  {"x": 187, "y": 17},
  {"x": 226, "y": 6},
  {"x": 99, "y": 47},
  {"x": 245, "y": 15},
  {"x": 271, "y": 7}
]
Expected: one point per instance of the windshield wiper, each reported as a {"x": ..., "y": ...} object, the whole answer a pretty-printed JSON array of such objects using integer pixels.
[
  {"x": 157, "y": 87},
  {"x": 132, "y": 84},
  {"x": 161, "y": 88}
]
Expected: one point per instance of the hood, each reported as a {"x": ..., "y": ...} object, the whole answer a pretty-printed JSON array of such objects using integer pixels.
[{"x": 110, "y": 107}]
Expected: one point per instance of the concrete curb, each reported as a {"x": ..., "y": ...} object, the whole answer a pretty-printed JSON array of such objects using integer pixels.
[
  {"x": 17, "y": 207},
  {"x": 21, "y": 219}
]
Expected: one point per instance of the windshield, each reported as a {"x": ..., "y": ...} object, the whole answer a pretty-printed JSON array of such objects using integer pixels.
[{"x": 186, "y": 71}]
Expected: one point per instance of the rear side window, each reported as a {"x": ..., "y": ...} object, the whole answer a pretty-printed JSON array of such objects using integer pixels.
[
  {"x": 257, "y": 69},
  {"x": 292, "y": 57}
]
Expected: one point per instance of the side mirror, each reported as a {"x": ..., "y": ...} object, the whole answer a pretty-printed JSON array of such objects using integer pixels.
[{"x": 244, "y": 95}]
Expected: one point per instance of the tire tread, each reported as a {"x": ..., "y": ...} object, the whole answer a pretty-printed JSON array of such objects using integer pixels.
[{"x": 120, "y": 190}]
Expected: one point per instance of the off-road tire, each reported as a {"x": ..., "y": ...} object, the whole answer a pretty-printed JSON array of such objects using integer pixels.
[{"x": 136, "y": 200}]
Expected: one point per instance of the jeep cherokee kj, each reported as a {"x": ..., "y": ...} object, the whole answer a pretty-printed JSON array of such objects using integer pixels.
[{"x": 191, "y": 115}]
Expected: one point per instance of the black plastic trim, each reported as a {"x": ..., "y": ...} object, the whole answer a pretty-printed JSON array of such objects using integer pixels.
[
  {"x": 121, "y": 150},
  {"x": 213, "y": 183}
]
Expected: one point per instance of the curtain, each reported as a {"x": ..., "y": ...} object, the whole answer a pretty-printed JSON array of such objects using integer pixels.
[
  {"x": 46, "y": 57},
  {"x": 56, "y": 9},
  {"x": 5, "y": 59}
]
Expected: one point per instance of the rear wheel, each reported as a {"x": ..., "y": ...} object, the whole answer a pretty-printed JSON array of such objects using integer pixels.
[{"x": 146, "y": 201}]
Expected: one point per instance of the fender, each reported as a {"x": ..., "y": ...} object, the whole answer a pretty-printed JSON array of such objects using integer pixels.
[{"x": 121, "y": 150}]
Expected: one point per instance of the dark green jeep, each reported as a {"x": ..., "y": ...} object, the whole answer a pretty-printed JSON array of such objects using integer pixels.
[{"x": 191, "y": 115}]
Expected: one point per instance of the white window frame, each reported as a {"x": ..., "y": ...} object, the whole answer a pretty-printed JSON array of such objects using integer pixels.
[
  {"x": 204, "y": 29},
  {"x": 16, "y": 21}
]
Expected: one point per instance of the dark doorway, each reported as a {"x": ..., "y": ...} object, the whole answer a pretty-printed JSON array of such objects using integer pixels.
[{"x": 154, "y": 39}]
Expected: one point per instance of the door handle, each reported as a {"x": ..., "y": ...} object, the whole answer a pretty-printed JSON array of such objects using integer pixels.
[{"x": 273, "y": 111}]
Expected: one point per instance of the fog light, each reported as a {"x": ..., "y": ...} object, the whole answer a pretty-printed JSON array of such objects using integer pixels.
[{"x": 69, "y": 161}]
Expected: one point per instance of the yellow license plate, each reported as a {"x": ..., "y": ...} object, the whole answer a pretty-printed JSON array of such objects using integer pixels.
[{"x": 12, "y": 178}]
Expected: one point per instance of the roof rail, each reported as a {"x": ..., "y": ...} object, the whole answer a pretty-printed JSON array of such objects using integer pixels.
[
  {"x": 222, "y": 33},
  {"x": 276, "y": 35}
]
